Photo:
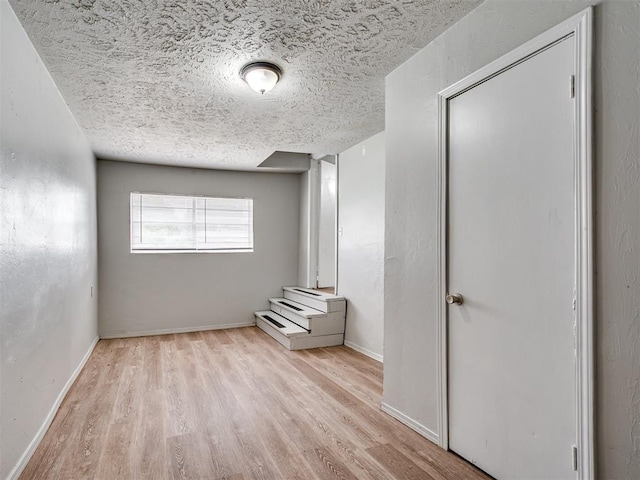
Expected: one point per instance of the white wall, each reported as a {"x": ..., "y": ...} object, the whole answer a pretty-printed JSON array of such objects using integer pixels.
[
  {"x": 491, "y": 30},
  {"x": 327, "y": 225},
  {"x": 142, "y": 293},
  {"x": 308, "y": 235},
  {"x": 361, "y": 244},
  {"x": 48, "y": 259}
]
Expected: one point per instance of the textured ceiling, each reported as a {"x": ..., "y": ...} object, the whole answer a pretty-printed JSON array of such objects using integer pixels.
[{"x": 157, "y": 80}]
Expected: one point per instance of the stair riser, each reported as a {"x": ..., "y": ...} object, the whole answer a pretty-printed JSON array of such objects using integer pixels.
[
  {"x": 327, "y": 307},
  {"x": 273, "y": 333},
  {"x": 300, "y": 343},
  {"x": 329, "y": 324},
  {"x": 297, "y": 307},
  {"x": 288, "y": 314},
  {"x": 288, "y": 329}
]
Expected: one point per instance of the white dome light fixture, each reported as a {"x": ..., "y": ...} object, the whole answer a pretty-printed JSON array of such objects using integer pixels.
[{"x": 261, "y": 76}]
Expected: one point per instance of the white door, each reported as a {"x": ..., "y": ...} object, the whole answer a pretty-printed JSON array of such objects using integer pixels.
[
  {"x": 511, "y": 257},
  {"x": 327, "y": 226}
]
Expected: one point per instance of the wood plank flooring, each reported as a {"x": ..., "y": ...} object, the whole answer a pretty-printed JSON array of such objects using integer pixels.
[
  {"x": 232, "y": 404},
  {"x": 331, "y": 290}
]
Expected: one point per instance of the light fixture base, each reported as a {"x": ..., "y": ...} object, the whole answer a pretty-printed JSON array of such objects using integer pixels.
[{"x": 261, "y": 76}]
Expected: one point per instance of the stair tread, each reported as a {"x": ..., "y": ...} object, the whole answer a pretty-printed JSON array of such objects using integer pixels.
[
  {"x": 298, "y": 308},
  {"x": 315, "y": 294},
  {"x": 288, "y": 328}
]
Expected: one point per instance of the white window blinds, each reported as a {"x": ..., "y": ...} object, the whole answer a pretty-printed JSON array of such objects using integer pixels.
[{"x": 190, "y": 224}]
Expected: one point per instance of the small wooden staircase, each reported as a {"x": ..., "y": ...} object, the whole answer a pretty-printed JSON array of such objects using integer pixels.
[{"x": 304, "y": 318}]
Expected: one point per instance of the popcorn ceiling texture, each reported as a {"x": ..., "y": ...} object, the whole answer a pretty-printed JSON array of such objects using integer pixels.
[{"x": 157, "y": 80}]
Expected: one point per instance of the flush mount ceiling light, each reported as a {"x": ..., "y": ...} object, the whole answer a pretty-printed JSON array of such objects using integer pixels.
[{"x": 261, "y": 76}]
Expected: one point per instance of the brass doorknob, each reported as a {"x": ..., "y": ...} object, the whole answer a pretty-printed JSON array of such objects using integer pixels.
[{"x": 452, "y": 298}]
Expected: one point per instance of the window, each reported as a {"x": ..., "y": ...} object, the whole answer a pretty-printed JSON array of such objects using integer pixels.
[{"x": 178, "y": 223}]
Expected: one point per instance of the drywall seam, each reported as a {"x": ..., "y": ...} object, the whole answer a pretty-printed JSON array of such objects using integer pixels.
[
  {"x": 410, "y": 422},
  {"x": 364, "y": 351},
  {"x": 28, "y": 453},
  {"x": 167, "y": 331}
]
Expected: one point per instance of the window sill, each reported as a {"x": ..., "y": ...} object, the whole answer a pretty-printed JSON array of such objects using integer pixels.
[{"x": 191, "y": 251}]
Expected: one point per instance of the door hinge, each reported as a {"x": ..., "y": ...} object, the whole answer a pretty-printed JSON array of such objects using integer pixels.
[
  {"x": 574, "y": 453},
  {"x": 573, "y": 86}
]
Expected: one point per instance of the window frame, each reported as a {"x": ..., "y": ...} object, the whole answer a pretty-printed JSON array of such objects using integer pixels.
[{"x": 148, "y": 251}]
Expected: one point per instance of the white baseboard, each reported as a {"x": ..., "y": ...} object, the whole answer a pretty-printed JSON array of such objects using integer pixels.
[
  {"x": 167, "y": 331},
  {"x": 412, "y": 424},
  {"x": 364, "y": 351},
  {"x": 28, "y": 453}
]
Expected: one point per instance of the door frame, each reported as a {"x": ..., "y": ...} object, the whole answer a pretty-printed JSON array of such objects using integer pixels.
[
  {"x": 580, "y": 26},
  {"x": 314, "y": 220}
]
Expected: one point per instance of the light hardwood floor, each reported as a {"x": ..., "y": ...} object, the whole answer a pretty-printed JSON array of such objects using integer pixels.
[
  {"x": 232, "y": 404},
  {"x": 331, "y": 290}
]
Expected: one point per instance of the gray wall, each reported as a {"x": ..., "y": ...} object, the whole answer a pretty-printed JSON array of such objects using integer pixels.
[
  {"x": 48, "y": 265},
  {"x": 144, "y": 293},
  {"x": 361, "y": 245},
  {"x": 491, "y": 30}
]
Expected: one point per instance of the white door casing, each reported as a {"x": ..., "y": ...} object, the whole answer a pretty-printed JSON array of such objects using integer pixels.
[
  {"x": 571, "y": 40},
  {"x": 327, "y": 225}
]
